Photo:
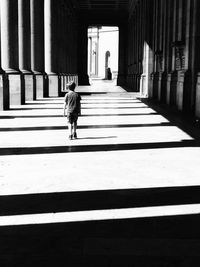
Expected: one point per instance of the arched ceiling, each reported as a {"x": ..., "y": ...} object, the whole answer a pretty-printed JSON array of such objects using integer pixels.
[
  {"x": 103, "y": 5},
  {"x": 110, "y": 12}
]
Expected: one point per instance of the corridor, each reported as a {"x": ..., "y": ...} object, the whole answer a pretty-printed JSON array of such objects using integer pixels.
[
  {"x": 129, "y": 161},
  {"x": 122, "y": 143}
]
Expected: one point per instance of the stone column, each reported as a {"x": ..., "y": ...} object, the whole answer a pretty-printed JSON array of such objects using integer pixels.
[
  {"x": 137, "y": 47},
  {"x": 170, "y": 96},
  {"x": 122, "y": 72},
  {"x": 173, "y": 75},
  {"x": 4, "y": 90},
  {"x": 180, "y": 73},
  {"x": 134, "y": 50},
  {"x": 140, "y": 45},
  {"x": 75, "y": 51},
  {"x": 131, "y": 51},
  {"x": 9, "y": 50},
  {"x": 25, "y": 48},
  {"x": 144, "y": 81},
  {"x": 50, "y": 11},
  {"x": 64, "y": 49},
  {"x": 62, "y": 41},
  {"x": 61, "y": 54},
  {"x": 129, "y": 80},
  {"x": 163, "y": 48},
  {"x": 9, "y": 33},
  {"x": 37, "y": 48},
  {"x": 82, "y": 54},
  {"x": 195, "y": 62},
  {"x": 24, "y": 35},
  {"x": 184, "y": 83},
  {"x": 149, "y": 39},
  {"x": 155, "y": 75}
]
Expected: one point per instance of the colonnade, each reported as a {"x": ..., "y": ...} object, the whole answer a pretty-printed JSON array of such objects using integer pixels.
[
  {"x": 38, "y": 41},
  {"x": 163, "y": 60},
  {"x": 44, "y": 45}
]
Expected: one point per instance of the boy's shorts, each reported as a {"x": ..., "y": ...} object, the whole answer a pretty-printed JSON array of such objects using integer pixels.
[{"x": 72, "y": 117}]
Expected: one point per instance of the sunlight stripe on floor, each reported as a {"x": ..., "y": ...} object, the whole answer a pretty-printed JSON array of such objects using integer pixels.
[{"x": 97, "y": 215}]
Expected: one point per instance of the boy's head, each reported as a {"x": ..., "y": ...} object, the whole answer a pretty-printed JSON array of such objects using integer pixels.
[{"x": 71, "y": 86}]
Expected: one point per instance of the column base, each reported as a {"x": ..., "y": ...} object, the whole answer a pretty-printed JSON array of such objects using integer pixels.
[
  {"x": 163, "y": 87},
  {"x": 183, "y": 95},
  {"x": 63, "y": 81},
  {"x": 150, "y": 86},
  {"x": 143, "y": 86},
  {"x": 171, "y": 88},
  {"x": 83, "y": 79},
  {"x": 156, "y": 92},
  {"x": 4, "y": 92},
  {"x": 121, "y": 79},
  {"x": 53, "y": 85},
  {"x": 137, "y": 87},
  {"x": 74, "y": 78},
  {"x": 1, "y": 93},
  {"x": 179, "y": 92},
  {"x": 128, "y": 80},
  {"x": 16, "y": 89},
  {"x": 29, "y": 87},
  {"x": 40, "y": 86},
  {"x": 131, "y": 82}
]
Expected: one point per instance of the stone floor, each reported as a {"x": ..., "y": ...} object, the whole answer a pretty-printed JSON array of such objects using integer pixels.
[
  {"x": 122, "y": 143},
  {"x": 129, "y": 162}
]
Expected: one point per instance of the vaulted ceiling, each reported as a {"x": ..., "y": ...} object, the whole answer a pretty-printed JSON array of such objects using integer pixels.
[
  {"x": 103, "y": 5},
  {"x": 102, "y": 11}
]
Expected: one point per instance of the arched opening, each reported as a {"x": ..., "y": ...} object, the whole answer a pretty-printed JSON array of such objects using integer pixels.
[{"x": 103, "y": 50}]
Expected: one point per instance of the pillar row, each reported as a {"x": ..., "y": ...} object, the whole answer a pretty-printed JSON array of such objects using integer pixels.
[
  {"x": 9, "y": 52},
  {"x": 82, "y": 55},
  {"x": 25, "y": 49},
  {"x": 50, "y": 46},
  {"x": 24, "y": 35},
  {"x": 4, "y": 90},
  {"x": 9, "y": 36},
  {"x": 37, "y": 47}
]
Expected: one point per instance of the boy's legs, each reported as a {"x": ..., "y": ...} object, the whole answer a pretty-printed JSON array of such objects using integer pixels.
[
  {"x": 75, "y": 127},
  {"x": 72, "y": 125},
  {"x": 70, "y": 129}
]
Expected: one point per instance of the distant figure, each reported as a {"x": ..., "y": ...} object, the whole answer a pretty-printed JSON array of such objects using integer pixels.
[
  {"x": 109, "y": 74},
  {"x": 107, "y": 63},
  {"x": 73, "y": 104}
]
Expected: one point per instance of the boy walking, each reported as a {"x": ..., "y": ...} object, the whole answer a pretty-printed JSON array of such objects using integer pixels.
[{"x": 73, "y": 104}]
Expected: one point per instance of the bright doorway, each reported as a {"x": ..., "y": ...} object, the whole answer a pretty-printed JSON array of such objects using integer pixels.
[{"x": 103, "y": 50}]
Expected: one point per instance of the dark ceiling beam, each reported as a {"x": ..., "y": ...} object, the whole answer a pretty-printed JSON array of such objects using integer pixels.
[
  {"x": 132, "y": 4},
  {"x": 89, "y": 4},
  {"x": 103, "y": 4},
  {"x": 109, "y": 18},
  {"x": 116, "y": 4},
  {"x": 74, "y": 4},
  {"x": 103, "y": 12}
]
